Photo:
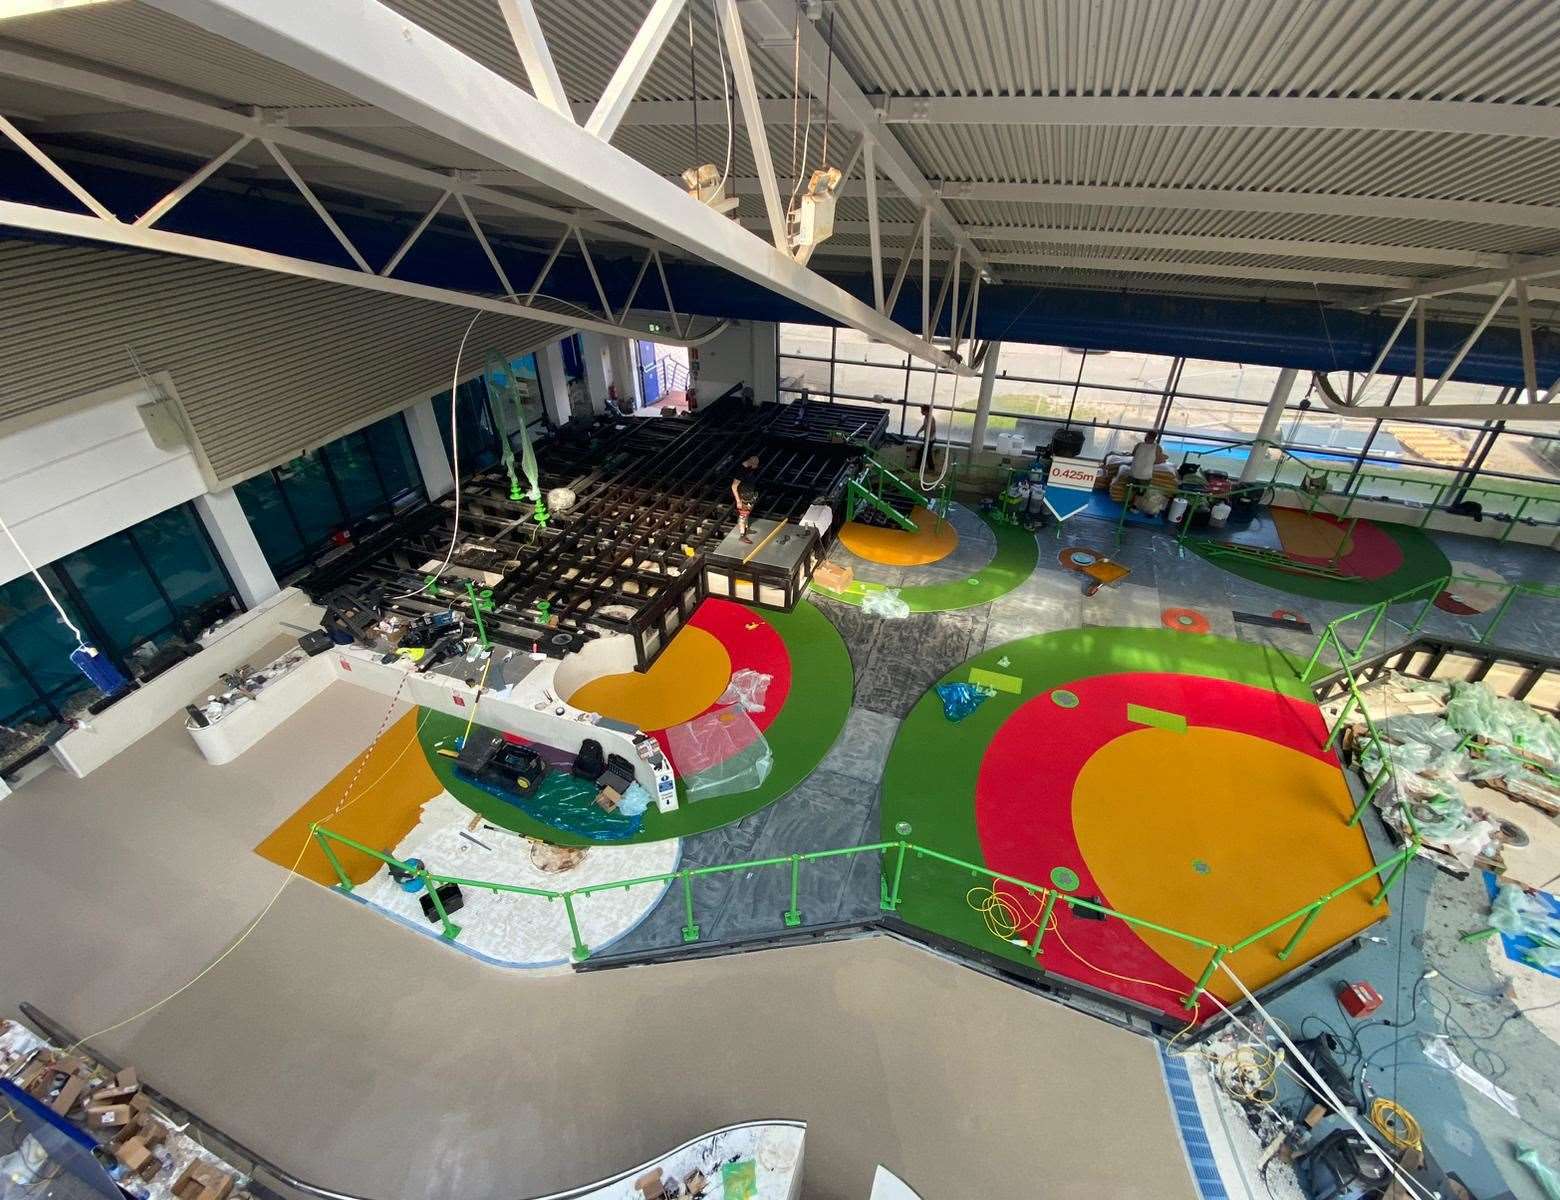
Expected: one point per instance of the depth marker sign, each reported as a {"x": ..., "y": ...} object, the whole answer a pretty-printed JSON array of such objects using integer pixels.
[{"x": 1070, "y": 485}]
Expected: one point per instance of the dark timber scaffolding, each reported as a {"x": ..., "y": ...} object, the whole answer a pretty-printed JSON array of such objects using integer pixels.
[{"x": 638, "y": 549}]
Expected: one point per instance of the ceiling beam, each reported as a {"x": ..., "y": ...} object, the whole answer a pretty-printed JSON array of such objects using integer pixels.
[
  {"x": 1236, "y": 112},
  {"x": 1193, "y": 112},
  {"x": 775, "y": 28},
  {"x": 1325, "y": 204},
  {"x": 371, "y": 53},
  {"x": 1524, "y": 269},
  {"x": 1276, "y": 247}
]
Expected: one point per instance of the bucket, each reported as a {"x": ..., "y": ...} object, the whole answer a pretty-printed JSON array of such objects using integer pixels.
[
  {"x": 1178, "y": 508},
  {"x": 1219, "y": 514}
]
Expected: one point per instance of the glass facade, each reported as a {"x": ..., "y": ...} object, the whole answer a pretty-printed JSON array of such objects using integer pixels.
[
  {"x": 299, "y": 509},
  {"x": 1198, "y": 406},
  {"x": 478, "y": 421},
  {"x": 132, "y": 593}
]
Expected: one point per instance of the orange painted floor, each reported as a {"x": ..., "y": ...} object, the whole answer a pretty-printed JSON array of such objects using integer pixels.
[
  {"x": 1308, "y": 536},
  {"x": 687, "y": 678},
  {"x": 1183, "y": 827},
  {"x": 934, "y": 538},
  {"x": 385, "y": 803}
]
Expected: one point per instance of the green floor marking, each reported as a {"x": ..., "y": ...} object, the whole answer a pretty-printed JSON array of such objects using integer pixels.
[
  {"x": 821, "y": 686},
  {"x": 1422, "y": 562},
  {"x": 1015, "y": 559},
  {"x": 997, "y": 681},
  {"x": 929, "y": 782},
  {"x": 1157, "y": 717}
]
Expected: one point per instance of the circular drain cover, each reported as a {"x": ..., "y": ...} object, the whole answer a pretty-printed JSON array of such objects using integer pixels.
[
  {"x": 1062, "y": 698},
  {"x": 1064, "y": 877},
  {"x": 1511, "y": 833}
]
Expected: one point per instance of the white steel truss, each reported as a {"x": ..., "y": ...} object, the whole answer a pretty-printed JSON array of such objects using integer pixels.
[{"x": 381, "y": 59}]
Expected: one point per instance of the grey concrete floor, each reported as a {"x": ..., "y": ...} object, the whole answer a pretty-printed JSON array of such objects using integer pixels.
[{"x": 365, "y": 1057}]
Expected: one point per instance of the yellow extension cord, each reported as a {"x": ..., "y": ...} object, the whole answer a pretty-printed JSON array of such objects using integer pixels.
[{"x": 1396, "y": 1124}]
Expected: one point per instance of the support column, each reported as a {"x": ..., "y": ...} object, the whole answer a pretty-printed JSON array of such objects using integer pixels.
[
  {"x": 1267, "y": 432},
  {"x": 555, "y": 383},
  {"x": 988, "y": 381},
  {"x": 433, "y": 460},
  {"x": 224, "y": 519},
  {"x": 625, "y": 376},
  {"x": 593, "y": 349}
]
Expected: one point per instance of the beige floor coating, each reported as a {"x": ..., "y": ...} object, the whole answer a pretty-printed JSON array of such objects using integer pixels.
[{"x": 366, "y": 1058}]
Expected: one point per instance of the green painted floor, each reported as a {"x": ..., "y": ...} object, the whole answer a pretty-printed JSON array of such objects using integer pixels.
[
  {"x": 1423, "y": 561},
  {"x": 929, "y": 782},
  {"x": 1016, "y": 556},
  {"x": 799, "y": 737}
]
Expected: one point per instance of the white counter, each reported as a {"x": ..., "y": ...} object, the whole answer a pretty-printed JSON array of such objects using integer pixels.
[
  {"x": 83, "y": 750},
  {"x": 246, "y": 722}
]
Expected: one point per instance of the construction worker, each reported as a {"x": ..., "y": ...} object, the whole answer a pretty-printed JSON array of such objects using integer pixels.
[{"x": 744, "y": 491}]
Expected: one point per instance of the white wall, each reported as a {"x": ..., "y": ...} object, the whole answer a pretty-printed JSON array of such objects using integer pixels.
[
  {"x": 86, "y": 473},
  {"x": 744, "y": 353}
]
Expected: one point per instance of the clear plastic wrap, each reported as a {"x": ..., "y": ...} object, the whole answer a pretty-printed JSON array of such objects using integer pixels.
[
  {"x": 747, "y": 688},
  {"x": 720, "y": 753},
  {"x": 885, "y": 603}
]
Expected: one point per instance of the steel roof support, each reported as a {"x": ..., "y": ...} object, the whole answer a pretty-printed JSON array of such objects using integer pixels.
[
  {"x": 56, "y": 172},
  {"x": 608, "y": 113},
  {"x": 590, "y": 266},
  {"x": 1519, "y": 269},
  {"x": 531, "y": 45},
  {"x": 96, "y": 229},
  {"x": 487, "y": 248},
  {"x": 753, "y": 120},
  {"x": 319, "y": 209},
  {"x": 1462, "y": 352},
  {"x": 366, "y": 50},
  {"x": 774, "y": 26},
  {"x": 161, "y": 209},
  {"x": 417, "y": 232},
  {"x": 1525, "y": 336},
  {"x": 874, "y": 233}
]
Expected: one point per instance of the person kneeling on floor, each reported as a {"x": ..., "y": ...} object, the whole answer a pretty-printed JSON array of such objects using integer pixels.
[{"x": 744, "y": 490}]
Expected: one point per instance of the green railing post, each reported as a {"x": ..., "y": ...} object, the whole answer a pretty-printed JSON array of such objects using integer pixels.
[
  {"x": 1370, "y": 630},
  {"x": 1370, "y": 792},
  {"x": 690, "y": 931},
  {"x": 580, "y": 951},
  {"x": 1045, "y": 922},
  {"x": 1305, "y": 927},
  {"x": 1202, "y": 980},
  {"x": 1424, "y": 609},
  {"x": 1511, "y": 523},
  {"x": 793, "y": 916},
  {"x": 1489, "y": 630},
  {"x": 330, "y": 855},
  {"x": 1435, "y": 503},
  {"x": 1316, "y": 655},
  {"x": 451, "y": 930},
  {"x": 890, "y": 902},
  {"x": 1398, "y": 868},
  {"x": 1340, "y": 721}
]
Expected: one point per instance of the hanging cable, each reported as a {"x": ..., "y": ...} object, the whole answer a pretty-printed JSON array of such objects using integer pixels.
[
  {"x": 931, "y": 421},
  {"x": 725, "y": 84},
  {"x": 796, "y": 94},
  {"x": 81, "y": 642},
  {"x": 454, "y": 463},
  {"x": 828, "y": 90},
  {"x": 693, "y": 90}
]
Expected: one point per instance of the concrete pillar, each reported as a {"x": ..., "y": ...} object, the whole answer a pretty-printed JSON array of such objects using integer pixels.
[
  {"x": 625, "y": 375},
  {"x": 593, "y": 349},
  {"x": 224, "y": 519},
  {"x": 988, "y": 381},
  {"x": 555, "y": 383},
  {"x": 433, "y": 460},
  {"x": 1267, "y": 432}
]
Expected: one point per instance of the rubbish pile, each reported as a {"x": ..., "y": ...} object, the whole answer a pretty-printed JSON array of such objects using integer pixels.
[{"x": 1469, "y": 767}]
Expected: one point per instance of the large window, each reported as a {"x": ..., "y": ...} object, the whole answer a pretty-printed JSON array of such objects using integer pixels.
[
  {"x": 131, "y": 593},
  {"x": 1201, "y": 408},
  {"x": 301, "y": 507}
]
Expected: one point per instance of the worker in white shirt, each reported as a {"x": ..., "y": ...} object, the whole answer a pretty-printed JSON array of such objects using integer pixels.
[{"x": 1145, "y": 457}]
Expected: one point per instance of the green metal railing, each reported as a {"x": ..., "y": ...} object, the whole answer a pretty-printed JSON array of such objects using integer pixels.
[
  {"x": 891, "y": 895},
  {"x": 878, "y": 478}
]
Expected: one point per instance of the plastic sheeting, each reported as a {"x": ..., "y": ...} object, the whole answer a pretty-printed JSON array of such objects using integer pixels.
[
  {"x": 747, "y": 688},
  {"x": 1471, "y": 708},
  {"x": 1519, "y": 915},
  {"x": 885, "y": 603},
  {"x": 720, "y": 753},
  {"x": 959, "y": 700}
]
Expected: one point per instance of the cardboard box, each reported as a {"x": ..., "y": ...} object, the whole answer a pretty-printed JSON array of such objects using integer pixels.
[
  {"x": 649, "y": 1185},
  {"x": 202, "y": 1181},
  {"x": 134, "y": 1154},
  {"x": 141, "y": 1102},
  {"x": 115, "y": 1094},
  {"x": 69, "y": 1097},
  {"x": 109, "y": 1116},
  {"x": 833, "y": 576},
  {"x": 695, "y": 1184},
  {"x": 607, "y": 798}
]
